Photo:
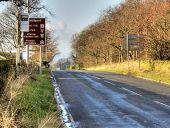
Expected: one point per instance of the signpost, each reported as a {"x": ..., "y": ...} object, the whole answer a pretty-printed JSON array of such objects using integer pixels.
[
  {"x": 134, "y": 42},
  {"x": 36, "y": 35},
  {"x": 127, "y": 48}
]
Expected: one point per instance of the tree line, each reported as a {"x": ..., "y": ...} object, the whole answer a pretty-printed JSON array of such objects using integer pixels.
[{"x": 104, "y": 41}]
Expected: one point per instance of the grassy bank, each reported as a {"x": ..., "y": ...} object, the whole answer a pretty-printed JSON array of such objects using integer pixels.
[
  {"x": 33, "y": 106},
  {"x": 155, "y": 70}
]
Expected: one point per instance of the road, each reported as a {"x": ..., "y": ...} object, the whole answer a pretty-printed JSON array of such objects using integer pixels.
[{"x": 109, "y": 100}]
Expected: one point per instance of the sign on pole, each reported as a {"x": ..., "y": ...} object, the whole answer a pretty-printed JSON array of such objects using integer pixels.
[
  {"x": 36, "y": 34},
  {"x": 24, "y": 23},
  {"x": 135, "y": 42}
]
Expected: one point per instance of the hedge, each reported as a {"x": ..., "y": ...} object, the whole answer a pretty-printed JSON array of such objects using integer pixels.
[
  {"x": 4, "y": 69},
  {"x": 5, "y": 63}
]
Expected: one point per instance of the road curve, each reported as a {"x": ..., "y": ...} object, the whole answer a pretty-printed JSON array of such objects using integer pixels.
[{"x": 99, "y": 102}]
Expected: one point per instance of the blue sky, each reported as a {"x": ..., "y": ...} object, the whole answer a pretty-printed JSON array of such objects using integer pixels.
[{"x": 71, "y": 16}]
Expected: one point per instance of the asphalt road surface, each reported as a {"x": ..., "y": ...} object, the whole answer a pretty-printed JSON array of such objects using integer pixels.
[{"x": 108, "y": 100}]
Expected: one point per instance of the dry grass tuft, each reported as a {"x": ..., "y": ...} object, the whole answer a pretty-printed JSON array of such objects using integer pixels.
[
  {"x": 7, "y": 121},
  {"x": 28, "y": 102},
  {"x": 7, "y": 110},
  {"x": 50, "y": 121}
]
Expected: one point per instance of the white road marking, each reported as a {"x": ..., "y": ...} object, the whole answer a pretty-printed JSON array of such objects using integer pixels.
[
  {"x": 95, "y": 77},
  {"x": 69, "y": 78},
  {"x": 86, "y": 73},
  {"x": 162, "y": 104},
  {"x": 67, "y": 118},
  {"x": 131, "y": 91},
  {"x": 109, "y": 82}
]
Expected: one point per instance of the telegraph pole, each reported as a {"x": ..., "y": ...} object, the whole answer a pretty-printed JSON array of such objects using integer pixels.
[
  {"x": 27, "y": 46},
  {"x": 18, "y": 38}
]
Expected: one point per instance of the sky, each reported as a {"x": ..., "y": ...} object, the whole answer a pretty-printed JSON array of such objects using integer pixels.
[{"x": 71, "y": 16}]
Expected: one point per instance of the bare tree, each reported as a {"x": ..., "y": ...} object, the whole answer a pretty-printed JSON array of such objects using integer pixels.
[{"x": 50, "y": 50}]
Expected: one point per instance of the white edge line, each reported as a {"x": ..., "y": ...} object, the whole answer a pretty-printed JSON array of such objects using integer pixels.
[
  {"x": 162, "y": 104},
  {"x": 109, "y": 82},
  {"x": 131, "y": 91},
  {"x": 66, "y": 116}
]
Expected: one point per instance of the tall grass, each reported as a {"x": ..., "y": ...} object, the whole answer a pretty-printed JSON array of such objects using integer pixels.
[
  {"x": 38, "y": 107},
  {"x": 8, "y": 99},
  {"x": 29, "y": 102},
  {"x": 156, "y": 70}
]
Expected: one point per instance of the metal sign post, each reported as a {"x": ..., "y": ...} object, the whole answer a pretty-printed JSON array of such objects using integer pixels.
[
  {"x": 127, "y": 46},
  {"x": 27, "y": 54},
  {"x": 135, "y": 43},
  {"x": 40, "y": 68},
  {"x": 36, "y": 35},
  {"x": 139, "y": 49}
]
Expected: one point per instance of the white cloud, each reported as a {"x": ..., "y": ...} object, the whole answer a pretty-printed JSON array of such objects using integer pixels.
[
  {"x": 61, "y": 25},
  {"x": 57, "y": 26}
]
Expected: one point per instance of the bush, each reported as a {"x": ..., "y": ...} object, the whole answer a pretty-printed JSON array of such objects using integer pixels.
[{"x": 5, "y": 66}]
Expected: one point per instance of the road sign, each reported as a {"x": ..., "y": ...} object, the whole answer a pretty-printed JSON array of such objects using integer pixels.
[
  {"x": 135, "y": 42},
  {"x": 36, "y": 34},
  {"x": 24, "y": 23}
]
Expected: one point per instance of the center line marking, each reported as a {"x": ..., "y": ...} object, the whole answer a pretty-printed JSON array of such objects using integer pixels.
[
  {"x": 162, "y": 104},
  {"x": 131, "y": 91},
  {"x": 109, "y": 82},
  {"x": 95, "y": 77}
]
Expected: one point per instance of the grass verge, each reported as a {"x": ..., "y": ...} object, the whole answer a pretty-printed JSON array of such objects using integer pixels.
[
  {"x": 154, "y": 70},
  {"x": 37, "y": 103},
  {"x": 28, "y": 102}
]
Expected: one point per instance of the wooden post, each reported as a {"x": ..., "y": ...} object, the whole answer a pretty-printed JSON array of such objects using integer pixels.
[{"x": 18, "y": 39}]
